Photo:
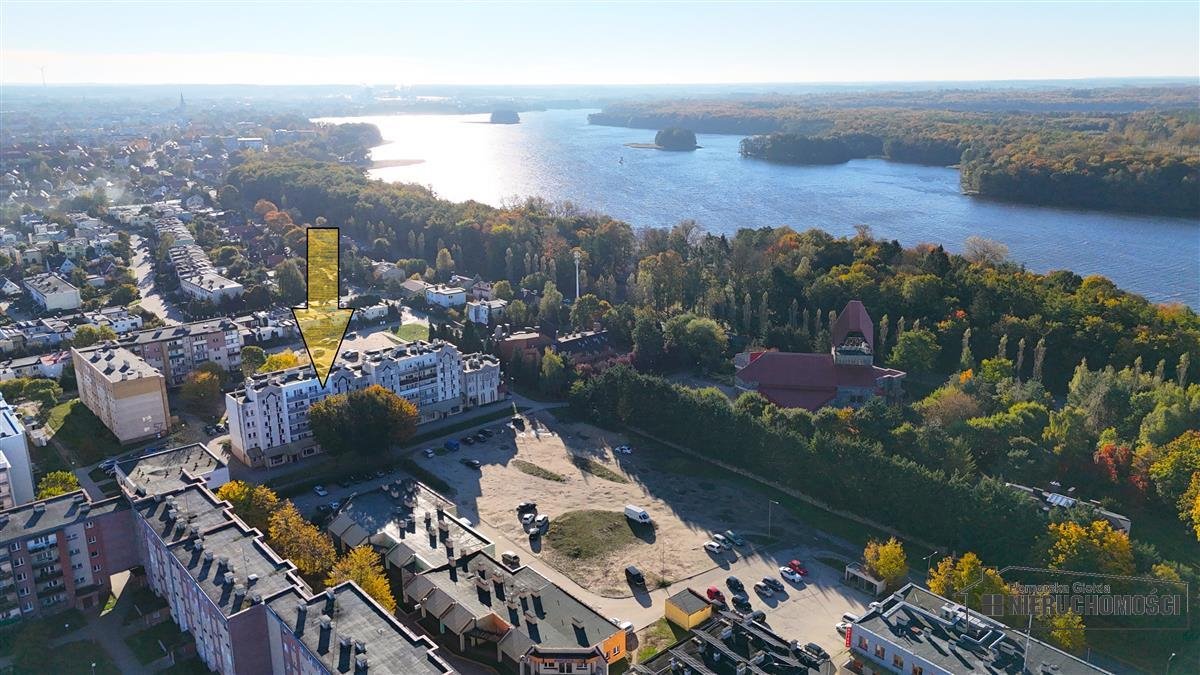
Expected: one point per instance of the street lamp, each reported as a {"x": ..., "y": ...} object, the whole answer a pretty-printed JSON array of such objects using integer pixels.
[
  {"x": 928, "y": 558},
  {"x": 1169, "y": 660},
  {"x": 770, "y": 503}
]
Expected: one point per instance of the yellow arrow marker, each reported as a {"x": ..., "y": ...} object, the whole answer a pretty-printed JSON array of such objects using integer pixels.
[{"x": 322, "y": 323}]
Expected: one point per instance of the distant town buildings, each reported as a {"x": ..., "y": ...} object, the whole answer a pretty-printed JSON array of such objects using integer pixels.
[
  {"x": 198, "y": 278},
  {"x": 846, "y": 376},
  {"x": 176, "y": 351},
  {"x": 52, "y": 292},
  {"x": 126, "y": 393}
]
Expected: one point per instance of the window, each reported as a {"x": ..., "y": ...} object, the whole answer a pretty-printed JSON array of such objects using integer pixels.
[
  {"x": 879, "y": 652},
  {"x": 92, "y": 539},
  {"x": 23, "y": 592},
  {"x": 862, "y": 643},
  {"x": 95, "y": 568},
  {"x": 15, "y": 546},
  {"x": 21, "y": 576},
  {"x": 27, "y": 607},
  {"x": 917, "y": 670},
  {"x": 17, "y": 562},
  {"x": 897, "y": 661},
  {"x": 96, "y": 553},
  {"x": 89, "y": 525}
]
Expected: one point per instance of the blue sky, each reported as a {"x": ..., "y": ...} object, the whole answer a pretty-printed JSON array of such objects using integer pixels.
[{"x": 591, "y": 43}]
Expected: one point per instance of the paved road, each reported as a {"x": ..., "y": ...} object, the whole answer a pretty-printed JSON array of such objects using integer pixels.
[{"x": 143, "y": 270}]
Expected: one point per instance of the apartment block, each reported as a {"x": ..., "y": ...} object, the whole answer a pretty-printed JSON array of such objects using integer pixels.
[
  {"x": 176, "y": 351},
  {"x": 126, "y": 393},
  {"x": 481, "y": 379},
  {"x": 268, "y": 418},
  {"x": 52, "y": 292},
  {"x": 16, "y": 470},
  {"x": 58, "y": 553}
]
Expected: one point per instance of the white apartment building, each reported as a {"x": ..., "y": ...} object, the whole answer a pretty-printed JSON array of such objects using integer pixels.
[
  {"x": 446, "y": 296},
  {"x": 486, "y": 311},
  {"x": 210, "y": 286},
  {"x": 16, "y": 471},
  {"x": 53, "y": 292},
  {"x": 268, "y": 419},
  {"x": 481, "y": 379}
]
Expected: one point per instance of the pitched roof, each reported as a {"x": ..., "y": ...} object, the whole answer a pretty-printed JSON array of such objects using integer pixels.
[
  {"x": 853, "y": 319},
  {"x": 796, "y": 380}
]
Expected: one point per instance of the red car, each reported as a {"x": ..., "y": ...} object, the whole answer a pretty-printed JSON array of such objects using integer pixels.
[
  {"x": 716, "y": 595},
  {"x": 798, "y": 568}
]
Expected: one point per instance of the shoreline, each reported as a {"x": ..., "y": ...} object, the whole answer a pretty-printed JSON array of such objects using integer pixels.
[
  {"x": 655, "y": 146},
  {"x": 388, "y": 163}
]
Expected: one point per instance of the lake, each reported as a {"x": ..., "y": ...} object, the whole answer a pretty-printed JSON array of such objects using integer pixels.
[{"x": 557, "y": 155}]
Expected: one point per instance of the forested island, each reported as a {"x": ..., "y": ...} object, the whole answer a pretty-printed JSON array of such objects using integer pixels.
[
  {"x": 505, "y": 117},
  {"x": 1071, "y": 151},
  {"x": 675, "y": 138}
]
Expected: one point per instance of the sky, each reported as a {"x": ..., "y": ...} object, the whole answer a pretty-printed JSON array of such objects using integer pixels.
[{"x": 214, "y": 42}]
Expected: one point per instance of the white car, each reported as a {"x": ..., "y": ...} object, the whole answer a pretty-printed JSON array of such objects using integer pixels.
[
  {"x": 712, "y": 547},
  {"x": 720, "y": 539},
  {"x": 842, "y": 626},
  {"x": 528, "y": 519},
  {"x": 320, "y": 490},
  {"x": 429, "y": 452},
  {"x": 791, "y": 575},
  {"x": 623, "y": 450}
]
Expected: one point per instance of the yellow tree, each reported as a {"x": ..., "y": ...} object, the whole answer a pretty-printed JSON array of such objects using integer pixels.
[
  {"x": 887, "y": 561},
  {"x": 300, "y": 541},
  {"x": 361, "y": 565},
  {"x": 280, "y": 361},
  {"x": 1067, "y": 631},
  {"x": 57, "y": 483},
  {"x": 1096, "y": 547},
  {"x": 951, "y": 577},
  {"x": 252, "y": 503}
]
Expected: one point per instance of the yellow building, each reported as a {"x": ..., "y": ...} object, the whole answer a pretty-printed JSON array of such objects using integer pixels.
[
  {"x": 126, "y": 393},
  {"x": 687, "y": 609}
]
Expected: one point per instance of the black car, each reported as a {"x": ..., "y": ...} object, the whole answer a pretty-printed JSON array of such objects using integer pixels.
[
  {"x": 527, "y": 507},
  {"x": 467, "y": 440},
  {"x": 635, "y": 576},
  {"x": 757, "y": 615},
  {"x": 473, "y": 463},
  {"x": 486, "y": 433},
  {"x": 816, "y": 650},
  {"x": 735, "y": 584},
  {"x": 774, "y": 583},
  {"x": 740, "y": 601}
]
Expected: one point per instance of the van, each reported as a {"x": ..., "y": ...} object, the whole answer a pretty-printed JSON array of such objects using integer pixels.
[
  {"x": 634, "y": 576},
  {"x": 636, "y": 513}
]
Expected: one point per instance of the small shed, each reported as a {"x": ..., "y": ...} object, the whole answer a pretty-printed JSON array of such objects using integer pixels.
[{"x": 687, "y": 609}]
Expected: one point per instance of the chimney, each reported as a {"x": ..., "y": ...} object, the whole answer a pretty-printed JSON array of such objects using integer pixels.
[
  {"x": 301, "y": 613},
  {"x": 360, "y": 664}
]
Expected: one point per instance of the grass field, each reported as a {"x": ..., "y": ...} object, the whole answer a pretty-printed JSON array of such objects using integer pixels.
[
  {"x": 657, "y": 637},
  {"x": 145, "y": 644},
  {"x": 410, "y": 332},
  {"x": 587, "y": 534},
  {"x": 82, "y": 433},
  {"x": 75, "y": 658},
  {"x": 537, "y": 471},
  {"x": 589, "y": 465}
]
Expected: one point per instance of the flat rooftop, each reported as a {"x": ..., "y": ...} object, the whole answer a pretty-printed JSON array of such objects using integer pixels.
[
  {"x": 389, "y": 647},
  {"x": 912, "y": 618},
  {"x": 168, "y": 470},
  {"x": 179, "y": 332},
  {"x": 727, "y": 642},
  {"x": 118, "y": 364},
  {"x": 172, "y": 517},
  {"x": 47, "y": 515},
  {"x": 241, "y": 570}
]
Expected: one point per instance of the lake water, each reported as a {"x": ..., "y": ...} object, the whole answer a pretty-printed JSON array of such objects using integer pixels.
[{"x": 559, "y": 156}]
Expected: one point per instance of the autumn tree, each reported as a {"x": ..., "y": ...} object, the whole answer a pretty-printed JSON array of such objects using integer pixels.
[
  {"x": 366, "y": 421},
  {"x": 254, "y": 504},
  {"x": 1067, "y": 631},
  {"x": 280, "y": 361},
  {"x": 253, "y": 358},
  {"x": 552, "y": 377},
  {"x": 57, "y": 483},
  {"x": 1095, "y": 547},
  {"x": 954, "y": 577},
  {"x": 300, "y": 541},
  {"x": 886, "y": 560},
  {"x": 362, "y": 566},
  {"x": 86, "y": 336},
  {"x": 201, "y": 391}
]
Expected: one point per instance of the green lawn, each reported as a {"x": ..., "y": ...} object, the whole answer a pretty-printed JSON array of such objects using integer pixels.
[
  {"x": 73, "y": 658},
  {"x": 587, "y": 534},
  {"x": 411, "y": 332},
  {"x": 597, "y": 469},
  {"x": 537, "y": 471},
  {"x": 145, "y": 644},
  {"x": 82, "y": 433},
  {"x": 657, "y": 637}
]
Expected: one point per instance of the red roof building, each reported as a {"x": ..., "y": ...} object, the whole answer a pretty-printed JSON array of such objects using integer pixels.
[{"x": 846, "y": 376}]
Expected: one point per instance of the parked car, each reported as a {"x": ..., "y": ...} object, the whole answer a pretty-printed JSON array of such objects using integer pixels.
[
  {"x": 791, "y": 575},
  {"x": 429, "y": 452},
  {"x": 528, "y": 518},
  {"x": 763, "y": 589},
  {"x": 849, "y": 618},
  {"x": 799, "y": 569},
  {"x": 473, "y": 463},
  {"x": 635, "y": 577},
  {"x": 842, "y": 626},
  {"x": 722, "y": 541},
  {"x": 525, "y": 507},
  {"x": 757, "y": 615},
  {"x": 740, "y": 601},
  {"x": 486, "y": 433},
  {"x": 510, "y": 559},
  {"x": 324, "y": 509},
  {"x": 335, "y": 505},
  {"x": 735, "y": 538},
  {"x": 109, "y": 463},
  {"x": 626, "y": 626},
  {"x": 542, "y": 522},
  {"x": 451, "y": 445},
  {"x": 320, "y": 490},
  {"x": 480, "y": 438},
  {"x": 775, "y": 584},
  {"x": 735, "y": 584},
  {"x": 715, "y": 594},
  {"x": 713, "y": 547},
  {"x": 816, "y": 650},
  {"x": 623, "y": 450}
]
